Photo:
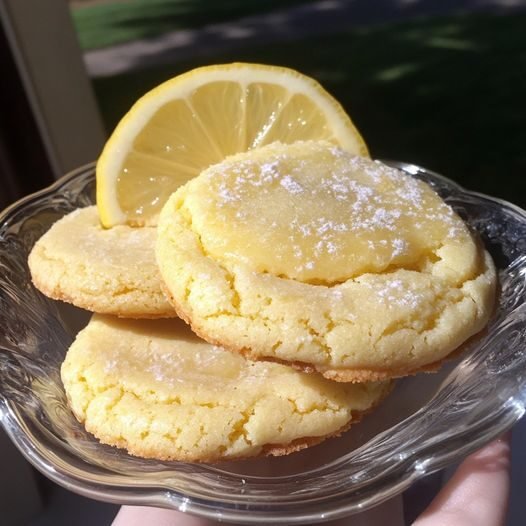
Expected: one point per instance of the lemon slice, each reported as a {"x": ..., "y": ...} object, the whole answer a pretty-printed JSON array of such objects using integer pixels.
[{"x": 197, "y": 119}]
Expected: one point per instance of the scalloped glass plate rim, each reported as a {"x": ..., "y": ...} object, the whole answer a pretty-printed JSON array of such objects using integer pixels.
[{"x": 254, "y": 507}]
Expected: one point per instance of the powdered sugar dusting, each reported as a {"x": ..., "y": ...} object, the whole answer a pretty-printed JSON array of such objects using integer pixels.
[
  {"x": 182, "y": 362},
  {"x": 395, "y": 293},
  {"x": 110, "y": 365},
  {"x": 318, "y": 208},
  {"x": 399, "y": 246},
  {"x": 291, "y": 185}
]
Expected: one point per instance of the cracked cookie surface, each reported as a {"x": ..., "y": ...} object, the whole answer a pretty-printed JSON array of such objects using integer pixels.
[
  {"x": 307, "y": 255},
  {"x": 110, "y": 271},
  {"x": 156, "y": 389}
]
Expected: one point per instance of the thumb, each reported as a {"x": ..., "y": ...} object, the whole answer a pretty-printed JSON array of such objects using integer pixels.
[
  {"x": 478, "y": 492},
  {"x": 142, "y": 515}
]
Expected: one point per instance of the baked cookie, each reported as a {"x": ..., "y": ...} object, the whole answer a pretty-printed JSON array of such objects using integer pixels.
[
  {"x": 155, "y": 389},
  {"x": 307, "y": 255},
  {"x": 110, "y": 271}
]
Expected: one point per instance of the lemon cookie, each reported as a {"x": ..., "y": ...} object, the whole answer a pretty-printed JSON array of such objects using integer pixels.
[
  {"x": 308, "y": 255},
  {"x": 111, "y": 271},
  {"x": 154, "y": 388}
]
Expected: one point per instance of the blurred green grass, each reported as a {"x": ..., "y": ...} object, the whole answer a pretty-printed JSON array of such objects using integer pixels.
[
  {"x": 447, "y": 93},
  {"x": 109, "y": 23}
]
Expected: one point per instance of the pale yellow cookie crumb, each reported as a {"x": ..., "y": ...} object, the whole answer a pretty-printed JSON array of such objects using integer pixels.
[
  {"x": 109, "y": 271},
  {"x": 308, "y": 255},
  {"x": 154, "y": 388}
]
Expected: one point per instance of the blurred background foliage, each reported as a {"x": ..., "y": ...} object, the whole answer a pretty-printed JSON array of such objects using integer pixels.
[
  {"x": 444, "y": 92},
  {"x": 101, "y": 24}
]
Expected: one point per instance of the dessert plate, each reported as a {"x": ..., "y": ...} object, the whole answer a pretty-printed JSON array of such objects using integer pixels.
[{"x": 427, "y": 423}]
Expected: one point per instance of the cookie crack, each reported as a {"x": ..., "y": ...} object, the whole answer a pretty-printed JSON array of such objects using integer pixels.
[
  {"x": 239, "y": 427},
  {"x": 229, "y": 276},
  {"x": 431, "y": 322},
  {"x": 317, "y": 337},
  {"x": 97, "y": 394},
  {"x": 323, "y": 408},
  {"x": 176, "y": 400}
]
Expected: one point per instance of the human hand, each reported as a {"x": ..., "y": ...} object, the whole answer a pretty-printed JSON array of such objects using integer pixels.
[
  {"x": 476, "y": 495},
  {"x": 478, "y": 492}
]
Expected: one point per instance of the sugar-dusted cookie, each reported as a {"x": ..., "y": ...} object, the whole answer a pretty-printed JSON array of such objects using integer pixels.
[
  {"x": 154, "y": 388},
  {"x": 307, "y": 255},
  {"x": 110, "y": 271}
]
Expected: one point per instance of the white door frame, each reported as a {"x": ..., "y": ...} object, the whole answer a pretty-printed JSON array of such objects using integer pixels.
[{"x": 49, "y": 59}]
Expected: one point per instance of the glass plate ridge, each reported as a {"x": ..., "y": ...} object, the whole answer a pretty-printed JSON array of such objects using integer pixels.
[{"x": 478, "y": 398}]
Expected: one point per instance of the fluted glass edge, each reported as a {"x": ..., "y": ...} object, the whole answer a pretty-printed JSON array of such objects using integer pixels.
[{"x": 482, "y": 396}]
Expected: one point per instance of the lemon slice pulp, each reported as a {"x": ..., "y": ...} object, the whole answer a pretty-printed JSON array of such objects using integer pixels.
[{"x": 197, "y": 119}]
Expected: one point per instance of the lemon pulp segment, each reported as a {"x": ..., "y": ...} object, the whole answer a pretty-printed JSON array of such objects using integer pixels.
[{"x": 199, "y": 118}]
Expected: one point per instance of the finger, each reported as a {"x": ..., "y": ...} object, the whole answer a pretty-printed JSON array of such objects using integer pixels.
[
  {"x": 141, "y": 515},
  {"x": 478, "y": 492}
]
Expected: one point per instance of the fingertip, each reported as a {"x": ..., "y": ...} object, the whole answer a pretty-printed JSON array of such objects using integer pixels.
[
  {"x": 478, "y": 492},
  {"x": 143, "y": 515}
]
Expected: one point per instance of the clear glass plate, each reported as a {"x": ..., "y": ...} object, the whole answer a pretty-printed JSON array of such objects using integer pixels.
[{"x": 429, "y": 421}]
